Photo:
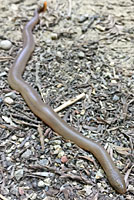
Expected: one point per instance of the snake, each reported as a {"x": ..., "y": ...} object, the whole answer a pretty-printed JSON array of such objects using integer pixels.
[{"x": 47, "y": 114}]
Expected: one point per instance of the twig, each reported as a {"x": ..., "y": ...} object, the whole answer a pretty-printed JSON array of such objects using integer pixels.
[
  {"x": 24, "y": 118},
  {"x": 62, "y": 173},
  {"x": 69, "y": 102},
  {"x": 89, "y": 159},
  {"x": 96, "y": 196},
  {"x": 76, "y": 177},
  {"x": 69, "y": 9},
  {"x": 5, "y": 58},
  {"x": 37, "y": 80},
  {"x": 26, "y": 123},
  {"x": 24, "y": 141},
  {"x": 2, "y": 197},
  {"x": 9, "y": 127},
  {"x": 40, "y": 130},
  {"x": 127, "y": 174}
]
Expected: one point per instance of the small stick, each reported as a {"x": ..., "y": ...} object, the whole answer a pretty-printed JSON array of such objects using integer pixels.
[
  {"x": 69, "y": 9},
  {"x": 2, "y": 197},
  {"x": 40, "y": 130},
  {"x": 5, "y": 58},
  {"x": 37, "y": 80},
  {"x": 69, "y": 102}
]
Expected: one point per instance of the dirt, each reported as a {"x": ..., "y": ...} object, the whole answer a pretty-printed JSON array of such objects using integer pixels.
[{"x": 83, "y": 48}]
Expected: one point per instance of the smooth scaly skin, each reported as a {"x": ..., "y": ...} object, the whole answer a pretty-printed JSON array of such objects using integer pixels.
[{"x": 46, "y": 113}]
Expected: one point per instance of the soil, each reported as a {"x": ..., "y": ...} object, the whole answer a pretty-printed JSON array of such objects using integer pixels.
[{"x": 81, "y": 47}]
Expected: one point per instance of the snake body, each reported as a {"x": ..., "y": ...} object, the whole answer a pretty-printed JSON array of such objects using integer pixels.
[{"x": 46, "y": 113}]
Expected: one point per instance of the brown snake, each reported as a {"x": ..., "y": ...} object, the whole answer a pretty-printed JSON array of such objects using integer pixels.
[{"x": 46, "y": 113}]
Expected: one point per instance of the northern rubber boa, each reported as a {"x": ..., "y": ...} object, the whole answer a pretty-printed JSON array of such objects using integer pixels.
[{"x": 46, "y": 113}]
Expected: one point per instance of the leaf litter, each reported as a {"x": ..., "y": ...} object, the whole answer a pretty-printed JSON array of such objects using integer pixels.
[{"x": 81, "y": 48}]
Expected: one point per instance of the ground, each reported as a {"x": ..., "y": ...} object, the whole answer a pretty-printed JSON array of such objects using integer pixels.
[{"x": 81, "y": 47}]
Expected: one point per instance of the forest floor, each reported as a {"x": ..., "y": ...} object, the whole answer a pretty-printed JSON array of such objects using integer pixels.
[{"x": 82, "y": 47}]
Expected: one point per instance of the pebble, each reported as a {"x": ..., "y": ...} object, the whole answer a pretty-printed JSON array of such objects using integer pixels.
[
  {"x": 26, "y": 154},
  {"x": 1, "y": 100},
  {"x": 99, "y": 185},
  {"x": 9, "y": 121},
  {"x": 42, "y": 156},
  {"x": 21, "y": 140},
  {"x": 27, "y": 144},
  {"x": 99, "y": 174},
  {"x": 8, "y": 100},
  {"x": 5, "y": 44},
  {"x": 14, "y": 137},
  {"x": 82, "y": 112},
  {"x": 58, "y": 150},
  {"x": 46, "y": 140},
  {"x": 57, "y": 161},
  {"x": 33, "y": 137},
  {"x": 115, "y": 98},
  {"x": 57, "y": 146},
  {"x": 59, "y": 54},
  {"x": 60, "y": 154},
  {"x": 21, "y": 190},
  {"x": 113, "y": 81},
  {"x": 83, "y": 18},
  {"x": 68, "y": 144},
  {"x": 131, "y": 188},
  {"x": 57, "y": 142},
  {"x": 48, "y": 41},
  {"x": 44, "y": 162},
  {"x": 98, "y": 69},
  {"x": 132, "y": 76},
  {"x": 19, "y": 174},
  {"x": 3, "y": 74},
  {"x": 11, "y": 95},
  {"x": 59, "y": 85},
  {"x": 79, "y": 163},
  {"x": 33, "y": 196},
  {"x": 46, "y": 182},
  {"x": 8, "y": 158},
  {"x": 64, "y": 159},
  {"x": 112, "y": 63},
  {"x": 54, "y": 36},
  {"x": 88, "y": 189},
  {"x": 81, "y": 54},
  {"x": 41, "y": 183}
]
